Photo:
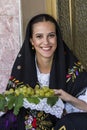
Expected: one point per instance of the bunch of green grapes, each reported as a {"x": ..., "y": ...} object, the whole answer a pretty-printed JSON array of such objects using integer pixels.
[
  {"x": 44, "y": 91},
  {"x": 23, "y": 89},
  {"x": 29, "y": 91}
]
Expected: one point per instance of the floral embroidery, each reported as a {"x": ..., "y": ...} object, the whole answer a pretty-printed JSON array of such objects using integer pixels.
[
  {"x": 74, "y": 72},
  {"x": 36, "y": 120},
  {"x": 30, "y": 122},
  {"x": 13, "y": 83}
]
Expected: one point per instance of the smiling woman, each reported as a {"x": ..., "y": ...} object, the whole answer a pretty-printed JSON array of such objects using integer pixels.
[
  {"x": 51, "y": 66},
  {"x": 44, "y": 41}
]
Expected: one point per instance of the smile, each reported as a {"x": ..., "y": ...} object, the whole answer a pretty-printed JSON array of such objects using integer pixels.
[{"x": 46, "y": 48}]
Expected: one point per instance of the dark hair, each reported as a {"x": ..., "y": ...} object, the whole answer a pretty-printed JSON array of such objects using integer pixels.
[{"x": 41, "y": 18}]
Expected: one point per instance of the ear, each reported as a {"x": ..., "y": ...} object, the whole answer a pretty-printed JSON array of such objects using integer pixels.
[{"x": 31, "y": 41}]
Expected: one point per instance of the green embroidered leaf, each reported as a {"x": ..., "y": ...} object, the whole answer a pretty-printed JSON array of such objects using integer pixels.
[{"x": 52, "y": 100}]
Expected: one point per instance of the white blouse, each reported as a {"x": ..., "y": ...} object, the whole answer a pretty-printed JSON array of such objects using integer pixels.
[
  {"x": 82, "y": 96},
  {"x": 43, "y": 79}
]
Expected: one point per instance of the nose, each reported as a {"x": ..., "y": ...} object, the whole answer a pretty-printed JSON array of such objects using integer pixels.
[{"x": 46, "y": 40}]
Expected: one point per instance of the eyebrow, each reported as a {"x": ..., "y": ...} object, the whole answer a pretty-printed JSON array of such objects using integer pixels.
[{"x": 42, "y": 33}]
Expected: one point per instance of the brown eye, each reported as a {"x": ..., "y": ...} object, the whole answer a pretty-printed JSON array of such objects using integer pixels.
[
  {"x": 39, "y": 36},
  {"x": 51, "y": 35}
]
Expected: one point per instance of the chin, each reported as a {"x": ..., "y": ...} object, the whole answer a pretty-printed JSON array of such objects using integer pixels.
[{"x": 47, "y": 56}]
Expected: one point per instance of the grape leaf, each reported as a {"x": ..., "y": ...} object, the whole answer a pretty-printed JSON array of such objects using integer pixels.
[
  {"x": 18, "y": 103},
  {"x": 11, "y": 100},
  {"x": 2, "y": 102},
  {"x": 52, "y": 100},
  {"x": 33, "y": 100}
]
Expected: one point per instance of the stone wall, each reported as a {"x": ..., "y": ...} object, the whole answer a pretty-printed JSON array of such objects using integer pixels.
[{"x": 9, "y": 38}]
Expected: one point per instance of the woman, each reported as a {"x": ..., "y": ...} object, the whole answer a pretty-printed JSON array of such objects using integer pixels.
[{"x": 45, "y": 59}]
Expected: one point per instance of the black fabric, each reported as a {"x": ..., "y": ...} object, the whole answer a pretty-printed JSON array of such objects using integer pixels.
[{"x": 72, "y": 121}]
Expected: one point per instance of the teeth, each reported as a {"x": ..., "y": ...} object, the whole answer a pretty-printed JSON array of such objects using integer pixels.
[{"x": 46, "y": 48}]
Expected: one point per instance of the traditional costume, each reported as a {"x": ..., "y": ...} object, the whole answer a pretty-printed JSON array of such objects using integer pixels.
[{"x": 67, "y": 73}]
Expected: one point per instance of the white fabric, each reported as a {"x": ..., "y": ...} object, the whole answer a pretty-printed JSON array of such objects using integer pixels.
[
  {"x": 69, "y": 108},
  {"x": 56, "y": 109},
  {"x": 43, "y": 79},
  {"x": 2, "y": 113}
]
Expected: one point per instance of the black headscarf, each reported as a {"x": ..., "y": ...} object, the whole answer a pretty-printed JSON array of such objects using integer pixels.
[{"x": 24, "y": 68}]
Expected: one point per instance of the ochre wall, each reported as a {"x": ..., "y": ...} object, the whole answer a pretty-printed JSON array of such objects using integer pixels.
[{"x": 29, "y": 9}]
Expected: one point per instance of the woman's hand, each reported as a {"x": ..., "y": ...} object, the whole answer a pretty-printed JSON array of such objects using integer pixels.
[
  {"x": 63, "y": 95},
  {"x": 71, "y": 99}
]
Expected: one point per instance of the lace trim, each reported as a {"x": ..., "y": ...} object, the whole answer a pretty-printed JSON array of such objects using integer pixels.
[{"x": 56, "y": 110}]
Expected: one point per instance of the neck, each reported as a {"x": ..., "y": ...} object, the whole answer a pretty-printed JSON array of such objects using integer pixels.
[{"x": 44, "y": 64}]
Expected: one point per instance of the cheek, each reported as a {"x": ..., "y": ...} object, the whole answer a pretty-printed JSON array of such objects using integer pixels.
[
  {"x": 53, "y": 41},
  {"x": 35, "y": 44},
  {"x": 55, "y": 44}
]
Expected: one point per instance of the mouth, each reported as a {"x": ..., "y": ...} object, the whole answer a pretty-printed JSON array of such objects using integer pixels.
[{"x": 46, "y": 48}]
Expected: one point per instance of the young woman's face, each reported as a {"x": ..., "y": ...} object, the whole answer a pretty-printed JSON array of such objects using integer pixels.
[{"x": 44, "y": 39}]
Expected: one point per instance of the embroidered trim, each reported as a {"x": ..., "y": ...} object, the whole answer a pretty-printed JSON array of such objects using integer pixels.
[
  {"x": 36, "y": 120},
  {"x": 74, "y": 72},
  {"x": 63, "y": 128},
  {"x": 13, "y": 83}
]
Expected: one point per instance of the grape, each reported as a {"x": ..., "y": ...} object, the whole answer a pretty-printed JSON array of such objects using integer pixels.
[
  {"x": 16, "y": 92},
  {"x": 48, "y": 94},
  {"x": 44, "y": 91},
  {"x": 37, "y": 87},
  {"x": 10, "y": 91}
]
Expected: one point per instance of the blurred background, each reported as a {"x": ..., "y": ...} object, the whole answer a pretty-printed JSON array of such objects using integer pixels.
[{"x": 14, "y": 16}]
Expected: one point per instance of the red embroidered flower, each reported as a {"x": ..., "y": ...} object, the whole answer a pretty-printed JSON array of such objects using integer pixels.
[
  {"x": 34, "y": 123},
  {"x": 11, "y": 78}
]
